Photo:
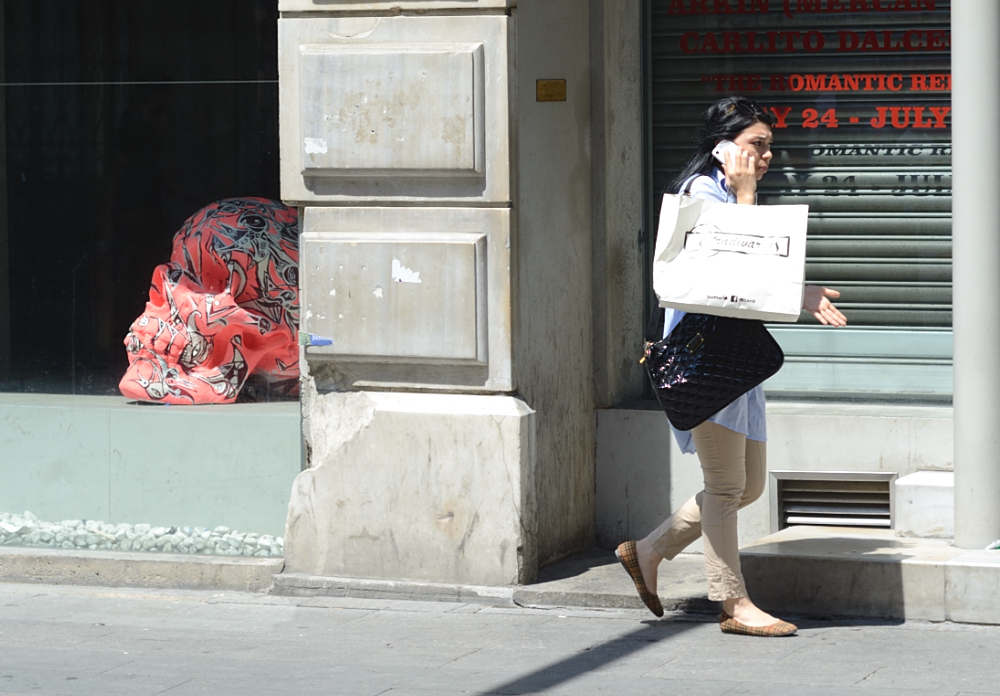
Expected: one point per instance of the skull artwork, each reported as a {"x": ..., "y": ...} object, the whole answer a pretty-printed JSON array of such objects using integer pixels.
[{"x": 225, "y": 307}]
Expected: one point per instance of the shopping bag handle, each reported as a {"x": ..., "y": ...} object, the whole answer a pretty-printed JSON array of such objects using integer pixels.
[{"x": 654, "y": 327}]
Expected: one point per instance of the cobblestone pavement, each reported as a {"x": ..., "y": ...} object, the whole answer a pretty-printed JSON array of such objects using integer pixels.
[{"x": 90, "y": 641}]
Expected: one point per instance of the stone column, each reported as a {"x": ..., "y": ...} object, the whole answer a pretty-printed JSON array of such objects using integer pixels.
[
  {"x": 975, "y": 49},
  {"x": 445, "y": 290}
]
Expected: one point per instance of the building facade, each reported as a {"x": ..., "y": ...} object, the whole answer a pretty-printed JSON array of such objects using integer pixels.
[{"x": 477, "y": 184}]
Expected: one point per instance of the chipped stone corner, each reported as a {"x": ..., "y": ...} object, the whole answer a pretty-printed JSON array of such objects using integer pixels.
[{"x": 428, "y": 487}]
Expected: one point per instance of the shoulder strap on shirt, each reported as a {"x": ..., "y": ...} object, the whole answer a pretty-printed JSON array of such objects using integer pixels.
[{"x": 686, "y": 186}]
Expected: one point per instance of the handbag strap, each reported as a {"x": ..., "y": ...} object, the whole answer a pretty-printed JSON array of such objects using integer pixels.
[{"x": 654, "y": 327}]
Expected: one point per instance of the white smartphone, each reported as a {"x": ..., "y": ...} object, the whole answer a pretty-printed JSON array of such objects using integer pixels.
[{"x": 719, "y": 152}]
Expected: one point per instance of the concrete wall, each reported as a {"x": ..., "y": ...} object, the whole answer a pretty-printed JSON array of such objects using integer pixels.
[
  {"x": 642, "y": 476},
  {"x": 617, "y": 195},
  {"x": 102, "y": 458},
  {"x": 553, "y": 281}
]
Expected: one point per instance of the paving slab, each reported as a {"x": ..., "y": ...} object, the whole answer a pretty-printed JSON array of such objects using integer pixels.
[
  {"x": 596, "y": 579},
  {"x": 849, "y": 572},
  {"x": 805, "y": 571},
  {"x": 593, "y": 579},
  {"x": 133, "y": 569},
  {"x": 177, "y": 642},
  {"x": 305, "y": 585},
  {"x": 972, "y": 587}
]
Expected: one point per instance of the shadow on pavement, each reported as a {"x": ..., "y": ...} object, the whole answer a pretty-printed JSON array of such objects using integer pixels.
[
  {"x": 593, "y": 658},
  {"x": 576, "y": 565}
]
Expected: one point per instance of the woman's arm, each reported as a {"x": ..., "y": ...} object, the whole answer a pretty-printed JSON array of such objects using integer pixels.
[{"x": 815, "y": 301}]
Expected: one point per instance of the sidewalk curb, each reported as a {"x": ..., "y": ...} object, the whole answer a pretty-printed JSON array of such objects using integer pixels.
[
  {"x": 574, "y": 583},
  {"x": 304, "y": 585},
  {"x": 529, "y": 596},
  {"x": 134, "y": 569}
]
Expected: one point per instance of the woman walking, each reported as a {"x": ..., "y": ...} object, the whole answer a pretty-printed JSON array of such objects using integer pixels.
[{"x": 730, "y": 444}]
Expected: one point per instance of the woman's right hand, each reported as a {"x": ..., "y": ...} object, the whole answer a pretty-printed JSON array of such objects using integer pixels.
[
  {"x": 816, "y": 301},
  {"x": 741, "y": 175}
]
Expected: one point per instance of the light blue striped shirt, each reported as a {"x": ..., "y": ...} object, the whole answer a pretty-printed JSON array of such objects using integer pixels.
[{"x": 746, "y": 414}]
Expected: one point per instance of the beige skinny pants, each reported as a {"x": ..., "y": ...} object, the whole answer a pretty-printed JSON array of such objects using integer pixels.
[{"x": 734, "y": 469}]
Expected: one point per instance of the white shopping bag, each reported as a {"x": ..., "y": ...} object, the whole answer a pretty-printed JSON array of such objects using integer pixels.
[{"x": 742, "y": 261}]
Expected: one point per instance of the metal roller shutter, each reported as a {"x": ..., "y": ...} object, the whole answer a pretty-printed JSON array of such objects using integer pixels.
[{"x": 866, "y": 143}]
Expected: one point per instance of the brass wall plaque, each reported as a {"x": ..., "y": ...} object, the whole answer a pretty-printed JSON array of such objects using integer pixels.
[{"x": 550, "y": 90}]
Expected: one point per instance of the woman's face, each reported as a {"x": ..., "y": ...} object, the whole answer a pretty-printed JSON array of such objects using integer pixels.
[{"x": 756, "y": 140}]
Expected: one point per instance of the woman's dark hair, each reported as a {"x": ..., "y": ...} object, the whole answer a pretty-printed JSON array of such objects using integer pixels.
[{"x": 723, "y": 120}]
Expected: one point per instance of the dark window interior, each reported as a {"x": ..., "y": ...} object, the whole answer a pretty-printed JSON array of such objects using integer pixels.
[{"x": 118, "y": 120}]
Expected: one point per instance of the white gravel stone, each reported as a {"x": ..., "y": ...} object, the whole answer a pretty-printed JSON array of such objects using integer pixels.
[{"x": 27, "y": 530}]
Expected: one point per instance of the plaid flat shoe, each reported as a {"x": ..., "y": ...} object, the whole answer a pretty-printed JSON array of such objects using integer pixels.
[
  {"x": 626, "y": 553},
  {"x": 776, "y": 630}
]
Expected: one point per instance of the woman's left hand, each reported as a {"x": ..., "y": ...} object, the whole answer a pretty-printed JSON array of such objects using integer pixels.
[
  {"x": 741, "y": 175},
  {"x": 816, "y": 302}
]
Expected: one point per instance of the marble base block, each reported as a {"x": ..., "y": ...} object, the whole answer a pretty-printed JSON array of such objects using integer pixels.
[
  {"x": 925, "y": 505},
  {"x": 435, "y": 487}
]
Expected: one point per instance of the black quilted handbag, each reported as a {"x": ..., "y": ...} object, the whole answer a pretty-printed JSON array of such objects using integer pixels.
[{"x": 706, "y": 363}]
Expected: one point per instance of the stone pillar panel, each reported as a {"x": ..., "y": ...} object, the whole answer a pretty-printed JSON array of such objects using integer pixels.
[
  {"x": 408, "y": 297},
  {"x": 368, "y": 111},
  {"x": 403, "y": 296},
  {"x": 400, "y": 109}
]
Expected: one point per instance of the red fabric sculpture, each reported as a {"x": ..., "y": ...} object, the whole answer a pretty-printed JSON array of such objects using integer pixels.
[{"x": 224, "y": 308}]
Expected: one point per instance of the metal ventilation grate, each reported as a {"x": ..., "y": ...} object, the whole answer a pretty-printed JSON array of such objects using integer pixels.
[{"x": 831, "y": 499}]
